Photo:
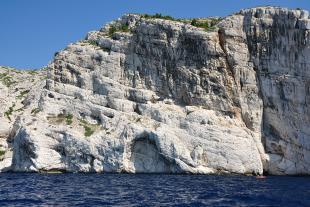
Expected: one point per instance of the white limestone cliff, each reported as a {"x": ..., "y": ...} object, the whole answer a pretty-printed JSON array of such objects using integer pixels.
[{"x": 160, "y": 96}]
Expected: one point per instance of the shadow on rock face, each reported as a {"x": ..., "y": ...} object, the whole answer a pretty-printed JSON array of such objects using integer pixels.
[{"x": 147, "y": 159}]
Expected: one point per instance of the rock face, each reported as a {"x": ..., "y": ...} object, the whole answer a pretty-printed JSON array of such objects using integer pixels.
[{"x": 148, "y": 95}]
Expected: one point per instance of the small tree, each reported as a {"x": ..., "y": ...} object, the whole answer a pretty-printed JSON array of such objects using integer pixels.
[
  {"x": 194, "y": 22},
  {"x": 112, "y": 30}
]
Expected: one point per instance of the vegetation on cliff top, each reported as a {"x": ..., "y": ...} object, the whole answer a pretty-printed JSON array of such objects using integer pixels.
[
  {"x": 7, "y": 79},
  {"x": 205, "y": 23},
  {"x": 118, "y": 28},
  {"x": 158, "y": 16}
]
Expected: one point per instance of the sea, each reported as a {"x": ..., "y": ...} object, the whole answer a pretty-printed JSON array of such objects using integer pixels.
[{"x": 31, "y": 189}]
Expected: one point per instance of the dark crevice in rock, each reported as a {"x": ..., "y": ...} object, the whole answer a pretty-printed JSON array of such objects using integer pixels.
[
  {"x": 147, "y": 158},
  {"x": 137, "y": 109},
  {"x": 50, "y": 95}
]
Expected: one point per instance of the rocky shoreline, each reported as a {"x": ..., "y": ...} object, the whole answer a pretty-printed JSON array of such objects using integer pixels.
[{"x": 153, "y": 94}]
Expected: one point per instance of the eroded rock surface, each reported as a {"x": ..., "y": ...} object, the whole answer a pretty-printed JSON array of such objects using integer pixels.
[{"x": 162, "y": 96}]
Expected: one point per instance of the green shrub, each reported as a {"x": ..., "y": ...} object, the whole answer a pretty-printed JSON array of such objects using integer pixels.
[
  {"x": 89, "y": 128},
  {"x": 7, "y": 79},
  {"x": 6, "y": 67},
  {"x": 88, "y": 131},
  {"x": 2, "y": 75},
  {"x": 121, "y": 28},
  {"x": 92, "y": 42},
  {"x": 215, "y": 21},
  {"x": 208, "y": 24},
  {"x": 83, "y": 122},
  {"x": 2, "y": 152},
  {"x": 196, "y": 23},
  {"x": 32, "y": 72},
  {"x": 112, "y": 30},
  {"x": 124, "y": 28},
  {"x": 9, "y": 112},
  {"x": 69, "y": 118},
  {"x": 22, "y": 94},
  {"x": 158, "y": 16}
]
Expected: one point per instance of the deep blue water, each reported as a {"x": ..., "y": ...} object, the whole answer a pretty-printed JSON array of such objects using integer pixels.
[{"x": 151, "y": 190}]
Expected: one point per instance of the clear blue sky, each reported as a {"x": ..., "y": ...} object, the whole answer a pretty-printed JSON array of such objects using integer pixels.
[{"x": 33, "y": 30}]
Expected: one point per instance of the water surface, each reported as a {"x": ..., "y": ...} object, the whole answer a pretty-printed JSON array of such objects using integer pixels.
[{"x": 151, "y": 190}]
